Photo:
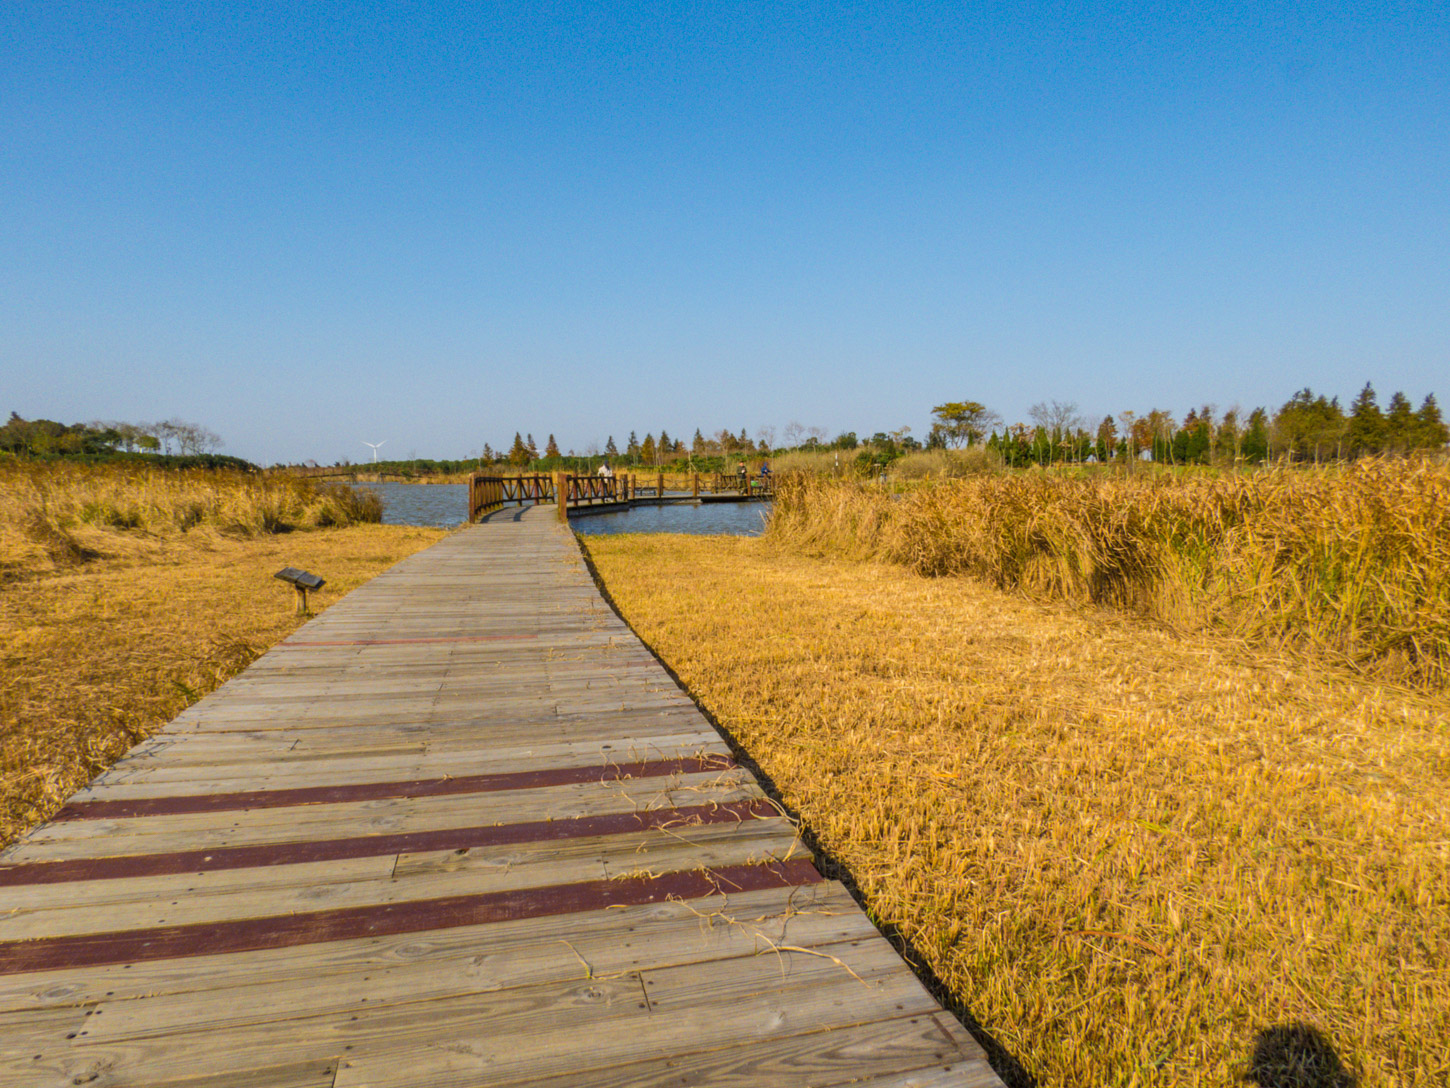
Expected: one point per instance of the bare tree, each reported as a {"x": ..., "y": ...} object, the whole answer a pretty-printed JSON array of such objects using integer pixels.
[
  {"x": 794, "y": 432},
  {"x": 765, "y": 437}
]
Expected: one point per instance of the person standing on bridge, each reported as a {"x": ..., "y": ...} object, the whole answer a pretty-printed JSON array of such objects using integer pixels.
[{"x": 605, "y": 471}]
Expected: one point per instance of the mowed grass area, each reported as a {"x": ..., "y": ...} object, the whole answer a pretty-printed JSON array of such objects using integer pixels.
[
  {"x": 111, "y": 624},
  {"x": 1126, "y": 852}
]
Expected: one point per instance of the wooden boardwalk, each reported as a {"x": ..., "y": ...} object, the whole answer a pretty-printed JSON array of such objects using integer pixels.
[{"x": 462, "y": 829}]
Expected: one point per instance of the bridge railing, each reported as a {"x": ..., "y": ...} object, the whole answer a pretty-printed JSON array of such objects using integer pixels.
[
  {"x": 592, "y": 490},
  {"x": 744, "y": 484},
  {"x": 487, "y": 493}
]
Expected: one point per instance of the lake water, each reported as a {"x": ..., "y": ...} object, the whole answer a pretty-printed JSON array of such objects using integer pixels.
[
  {"x": 709, "y": 519},
  {"x": 446, "y": 505},
  {"x": 443, "y": 505}
]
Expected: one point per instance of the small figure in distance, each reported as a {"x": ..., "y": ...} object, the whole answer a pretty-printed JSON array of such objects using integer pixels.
[
  {"x": 765, "y": 468},
  {"x": 605, "y": 471}
]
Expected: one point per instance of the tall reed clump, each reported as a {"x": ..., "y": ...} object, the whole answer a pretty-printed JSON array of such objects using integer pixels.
[
  {"x": 57, "y": 515},
  {"x": 1352, "y": 561}
]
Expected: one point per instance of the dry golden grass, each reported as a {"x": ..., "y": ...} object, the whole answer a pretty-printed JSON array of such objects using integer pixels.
[
  {"x": 1350, "y": 562},
  {"x": 58, "y": 516},
  {"x": 108, "y": 630},
  {"x": 1126, "y": 851}
]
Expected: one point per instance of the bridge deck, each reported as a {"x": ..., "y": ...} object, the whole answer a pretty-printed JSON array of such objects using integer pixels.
[{"x": 461, "y": 829}]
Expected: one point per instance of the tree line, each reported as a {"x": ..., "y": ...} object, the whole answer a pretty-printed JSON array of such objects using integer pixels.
[
  {"x": 1306, "y": 428},
  {"x": 650, "y": 452},
  {"x": 47, "y": 438}
]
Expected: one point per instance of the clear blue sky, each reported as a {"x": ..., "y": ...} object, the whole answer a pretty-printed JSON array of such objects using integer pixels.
[{"x": 310, "y": 224}]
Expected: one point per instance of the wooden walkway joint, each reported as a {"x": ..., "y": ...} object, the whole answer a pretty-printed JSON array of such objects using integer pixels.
[{"x": 460, "y": 830}]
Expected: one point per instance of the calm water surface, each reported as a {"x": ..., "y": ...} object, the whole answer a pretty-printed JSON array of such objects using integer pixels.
[
  {"x": 710, "y": 519},
  {"x": 446, "y": 505}
]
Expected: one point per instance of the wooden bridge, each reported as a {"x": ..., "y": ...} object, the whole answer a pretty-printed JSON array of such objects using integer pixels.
[
  {"x": 460, "y": 830},
  {"x": 585, "y": 494}
]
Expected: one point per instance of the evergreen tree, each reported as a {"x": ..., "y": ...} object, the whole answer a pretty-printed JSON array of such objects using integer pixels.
[
  {"x": 610, "y": 449},
  {"x": 647, "y": 450},
  {"x": 632, "y": 450},
  {"x": 519, "y": 453},
  {"x": 1366, "y": 424},
  {"x": 552, "y": 448},
  {"x": 1400, "y": 424},
  {"x": 666, "y": 444},
  {"x": 1107, "y": 442},
  {"x": 1433, "y": 434},
  {"x": 1310, "y": 428},
  {"x": 533, "y": 449},
  {"x": 488, "y": 454},
  {"x": 1255, "y": 446},
  {"x": 697, "y": 446}
]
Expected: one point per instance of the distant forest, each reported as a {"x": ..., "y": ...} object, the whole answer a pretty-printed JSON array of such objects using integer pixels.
[{"x": 173, "y": 442}]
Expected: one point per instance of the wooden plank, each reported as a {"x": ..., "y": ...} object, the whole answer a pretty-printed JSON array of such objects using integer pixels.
[
  {"x": 147, "y": 902},
  {"x": 908, "y": 1052},
  {"x": 489, "y": 966},
  {"x": 189, "y": 862},
  {"x": 527, "y": 1030},
  {"x": 780, "y": 915},
  {"x": 413, "y": 916},
  {"x": 290, "y": 765},
  {"x": 495, "y": 782},
  {"x": 160, "y": 834}
]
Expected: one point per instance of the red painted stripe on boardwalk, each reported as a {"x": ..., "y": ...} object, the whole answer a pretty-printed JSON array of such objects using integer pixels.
[
  {"x": 426, "y": 641},
  {"x": 375, "y": 791},
  {"x": 367, "y": 846},
  {"x": 347, "y": 923}
]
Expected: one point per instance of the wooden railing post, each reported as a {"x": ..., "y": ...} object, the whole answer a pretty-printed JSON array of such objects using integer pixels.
[
  {"x": 561, "y": 496},
  {"x": 660, "y": 488},
  {"x": 695, "y": 489}
]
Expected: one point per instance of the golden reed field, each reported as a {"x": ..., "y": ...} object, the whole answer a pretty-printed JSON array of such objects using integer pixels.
[
  {"x": 127, "y": 594},
  {"x": 1351, "y": 562},
  {"x": 1137, "y": 818}
]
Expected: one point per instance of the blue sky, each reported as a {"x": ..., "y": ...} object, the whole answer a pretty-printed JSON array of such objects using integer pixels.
[{"x": 311, "y": 224}]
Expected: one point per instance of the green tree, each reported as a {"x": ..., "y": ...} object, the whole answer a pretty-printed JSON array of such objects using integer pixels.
[
  {"x": 1433, "y": 434},
  {"x": 1107, "y": 443},
  {"x": 610, "y": 449},
  {"x": 518, "y": 453},
  {"x": 1400, "y": 424},
  {"x": 551, "y": 449},
  {"x": 1366, "y": 424},
  {"x": 962, "y": 422}
]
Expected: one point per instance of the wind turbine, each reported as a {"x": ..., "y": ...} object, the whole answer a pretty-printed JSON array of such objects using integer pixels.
[{"x": 375, "y": 446}]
